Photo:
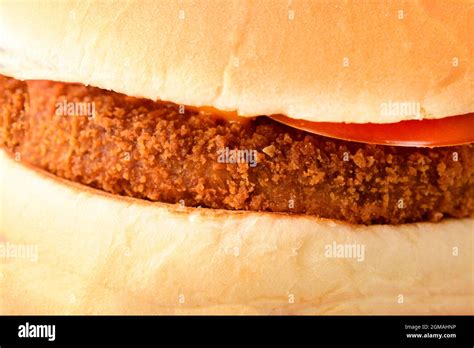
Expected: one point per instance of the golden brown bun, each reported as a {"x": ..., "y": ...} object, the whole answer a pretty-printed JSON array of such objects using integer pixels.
[
  {"x": 99, "y": 253},
  {"x": 256, "y": 57}
]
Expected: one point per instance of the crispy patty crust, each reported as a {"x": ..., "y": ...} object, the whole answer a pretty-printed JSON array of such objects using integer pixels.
[{"x": 163, "y": 152}]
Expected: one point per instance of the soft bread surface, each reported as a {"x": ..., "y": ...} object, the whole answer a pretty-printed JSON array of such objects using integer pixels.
[
  {"x": 334, "y": 61},
  {"x": 104, "y": 254}
]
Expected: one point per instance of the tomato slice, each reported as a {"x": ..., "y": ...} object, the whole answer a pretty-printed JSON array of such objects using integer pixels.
[{"x": 453, "y": 130}]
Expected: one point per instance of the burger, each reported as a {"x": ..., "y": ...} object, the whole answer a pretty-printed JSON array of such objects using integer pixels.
[{"x": 241, "y": 157}]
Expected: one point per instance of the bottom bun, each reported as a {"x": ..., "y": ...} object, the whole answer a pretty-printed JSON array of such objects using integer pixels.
[{"x": 69, "y": 249}]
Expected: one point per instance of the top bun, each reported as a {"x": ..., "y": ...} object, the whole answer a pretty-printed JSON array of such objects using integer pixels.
[{"x": 334, "y": 61}]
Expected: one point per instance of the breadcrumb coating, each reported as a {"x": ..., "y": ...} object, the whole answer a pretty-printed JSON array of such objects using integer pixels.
[{"x": 165, "y": 152}]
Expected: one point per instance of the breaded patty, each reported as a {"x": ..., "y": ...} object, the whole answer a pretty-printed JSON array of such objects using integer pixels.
[{"x": 163, "y": 152}]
